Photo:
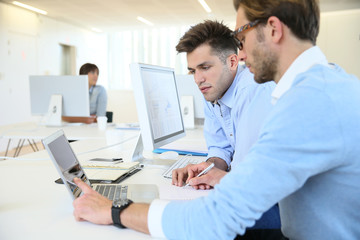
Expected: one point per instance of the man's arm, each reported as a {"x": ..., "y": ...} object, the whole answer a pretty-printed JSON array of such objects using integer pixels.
[
  {"x": 217, "y": 143},
  {"x": 219, "y": 163},
  {"x": 86, "y": 120},
  {"x": 135, "y": 217},
  {"x": 95, "y": 208}
]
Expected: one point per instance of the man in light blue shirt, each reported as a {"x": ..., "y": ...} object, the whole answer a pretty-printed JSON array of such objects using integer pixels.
[
  {"x": 235, "y": 106},
  {"x": 307, "y": 155}
]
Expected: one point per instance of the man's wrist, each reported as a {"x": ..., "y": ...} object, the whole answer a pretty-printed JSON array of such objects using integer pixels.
[
  {"x": 118, "y": 207},
  {"x": 219, "y": 163}
]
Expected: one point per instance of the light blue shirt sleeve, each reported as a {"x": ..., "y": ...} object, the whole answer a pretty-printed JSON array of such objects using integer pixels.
[
  {"x": 217, "y": 143},
  {"x": 307, "y": 158}
]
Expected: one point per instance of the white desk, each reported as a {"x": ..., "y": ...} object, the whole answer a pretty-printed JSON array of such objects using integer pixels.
[
  {"x": 32, "y": 132},
  {"x": 32, "y": 206}
]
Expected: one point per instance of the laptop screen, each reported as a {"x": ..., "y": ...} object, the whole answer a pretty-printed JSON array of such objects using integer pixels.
[{"x": 65, "y": 161}]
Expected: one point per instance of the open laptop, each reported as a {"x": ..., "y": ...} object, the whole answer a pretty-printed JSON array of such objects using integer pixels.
[{"x": 69, "y": 167}]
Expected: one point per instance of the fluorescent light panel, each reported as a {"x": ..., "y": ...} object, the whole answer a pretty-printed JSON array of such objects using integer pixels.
[
  {"x": 96, "y": 30},
  {"x": 141, "y": 19},
  {"x": 29, "y": 7},
  {"x": 205, "y": 6}
]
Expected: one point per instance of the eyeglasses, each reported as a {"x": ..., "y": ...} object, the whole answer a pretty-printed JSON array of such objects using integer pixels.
[{"x": 243, "y": 28}]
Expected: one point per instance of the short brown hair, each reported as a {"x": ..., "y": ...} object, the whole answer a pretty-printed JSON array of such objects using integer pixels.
[
  {"x": 301, "y": 16},
  {"x": 88, "y": 67},
  {"x": 214, "y": 33}
]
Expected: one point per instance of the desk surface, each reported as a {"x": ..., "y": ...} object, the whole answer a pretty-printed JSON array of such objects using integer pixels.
[
  {"x": 35, "y": 131},
  {"x": 32, "y": 206}
]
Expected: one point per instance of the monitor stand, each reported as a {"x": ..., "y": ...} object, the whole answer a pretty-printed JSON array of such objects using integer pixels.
[
  {"x": 137, "y": 156},
  {"x": 53, "y": 116}
]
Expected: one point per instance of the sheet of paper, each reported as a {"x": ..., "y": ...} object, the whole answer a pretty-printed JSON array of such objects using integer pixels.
[
  {"x": 104, "y": 174},
  {"x": 113, "y": 165},
  {"x": 171, "y": 192}
]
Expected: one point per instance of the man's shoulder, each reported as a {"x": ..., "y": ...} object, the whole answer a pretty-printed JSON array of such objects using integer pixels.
[{"x": 244, "y": 80}]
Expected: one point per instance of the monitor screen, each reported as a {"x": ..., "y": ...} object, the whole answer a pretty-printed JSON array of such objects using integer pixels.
[
  {"x": 73, "y": 89},
  {"x": 157, "y": 104}
]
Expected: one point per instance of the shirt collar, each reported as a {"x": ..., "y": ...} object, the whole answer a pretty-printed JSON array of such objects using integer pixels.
[{"x": 302, "y": 63}]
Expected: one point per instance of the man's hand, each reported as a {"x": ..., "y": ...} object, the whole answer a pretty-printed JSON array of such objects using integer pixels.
[
  {"x": 180, "y": 175},
  {"x": 91, "y": 206},
  {"x": 207, "y": 180},
  {"x": 190, "y": 172}
]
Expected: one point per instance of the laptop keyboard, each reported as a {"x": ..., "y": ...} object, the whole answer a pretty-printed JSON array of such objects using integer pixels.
[
  {"x": 112, "y": 192},
  {"x": 180, "y": 163}
]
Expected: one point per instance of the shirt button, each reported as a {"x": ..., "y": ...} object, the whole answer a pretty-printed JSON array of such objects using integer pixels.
[{"x": 231, "y": 135}]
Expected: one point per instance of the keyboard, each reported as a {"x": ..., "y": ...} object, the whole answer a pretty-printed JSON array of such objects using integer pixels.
[
  {"x": 112, "y": 192},
  {"x": 180, "y": 163}
]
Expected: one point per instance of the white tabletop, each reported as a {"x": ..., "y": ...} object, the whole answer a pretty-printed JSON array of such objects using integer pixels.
[
  {"x": 32, "y": 206},
  {"x": 32, "y": 130}
]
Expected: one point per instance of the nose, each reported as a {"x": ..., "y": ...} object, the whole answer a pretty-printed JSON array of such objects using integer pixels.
[
  {"x": 242, "y": 55},
  {"x": 199, "y": 78}
]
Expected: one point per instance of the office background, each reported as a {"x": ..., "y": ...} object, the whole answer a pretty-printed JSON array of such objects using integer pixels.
[{"x": 34, "y": 44}]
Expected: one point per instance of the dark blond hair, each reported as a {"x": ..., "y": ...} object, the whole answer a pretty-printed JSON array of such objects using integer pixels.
[{"x": 301, "y": 16}]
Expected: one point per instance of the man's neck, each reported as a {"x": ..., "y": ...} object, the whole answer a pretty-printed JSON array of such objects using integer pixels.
[{"x": 290, "y": 50}]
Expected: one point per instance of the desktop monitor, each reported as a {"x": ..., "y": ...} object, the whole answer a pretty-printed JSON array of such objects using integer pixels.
[
  {"x": 70, "y": 94},
  {"x": 157, "y": 104}
]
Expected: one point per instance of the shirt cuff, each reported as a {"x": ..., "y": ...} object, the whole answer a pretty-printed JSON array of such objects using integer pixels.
[{"x": 156, "y": 210}]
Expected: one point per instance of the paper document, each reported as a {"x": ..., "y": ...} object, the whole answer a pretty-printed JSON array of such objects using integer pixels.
[
  {"x": 172, "y": 192},
  {"x": 111, "y": 165},
  {"x": 104, "y": 174}
]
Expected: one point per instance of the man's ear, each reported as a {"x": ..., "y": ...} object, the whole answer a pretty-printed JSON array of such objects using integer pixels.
[
  {"x": 233, "y": 61},
  {"x": 276, "y": 28}
]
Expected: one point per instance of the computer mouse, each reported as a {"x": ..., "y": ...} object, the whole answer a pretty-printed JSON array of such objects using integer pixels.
[{"x": 169, "y": 155}]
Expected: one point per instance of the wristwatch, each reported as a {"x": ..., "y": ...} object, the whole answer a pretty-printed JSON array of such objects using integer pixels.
[{"x": 118, "y": 206}]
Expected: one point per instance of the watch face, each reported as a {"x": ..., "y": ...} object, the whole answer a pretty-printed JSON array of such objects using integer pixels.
[{"x": 120, "y": 202}]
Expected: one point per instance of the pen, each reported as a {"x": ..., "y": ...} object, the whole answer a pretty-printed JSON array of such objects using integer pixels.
[
  {"x": 202, "y": 172},
  {"x": 117, "y": 159}
]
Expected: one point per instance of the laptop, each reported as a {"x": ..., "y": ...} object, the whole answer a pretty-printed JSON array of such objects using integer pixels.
[{"x": 68, "y": 167}]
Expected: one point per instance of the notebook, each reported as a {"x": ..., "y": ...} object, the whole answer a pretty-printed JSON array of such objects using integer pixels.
[{"x": 68, "y": 167}]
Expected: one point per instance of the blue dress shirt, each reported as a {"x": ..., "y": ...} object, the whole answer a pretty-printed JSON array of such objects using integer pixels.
[
  {"x": 306, "y": 158},
  {"x": 98, "y": 100},
  {"x": 235, "y": 120}
]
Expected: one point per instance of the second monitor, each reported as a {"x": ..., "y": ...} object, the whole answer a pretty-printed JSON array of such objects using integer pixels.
[{"x": 157, "y": 104}]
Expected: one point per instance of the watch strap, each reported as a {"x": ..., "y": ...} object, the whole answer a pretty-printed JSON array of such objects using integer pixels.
[{"x": 115, "y": 214}]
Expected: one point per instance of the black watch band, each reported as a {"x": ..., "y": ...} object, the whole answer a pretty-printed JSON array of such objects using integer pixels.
[{"x": 116, "y": 210}]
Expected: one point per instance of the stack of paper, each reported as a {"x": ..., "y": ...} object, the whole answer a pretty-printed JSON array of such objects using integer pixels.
[{"x": 111, "y": 165}]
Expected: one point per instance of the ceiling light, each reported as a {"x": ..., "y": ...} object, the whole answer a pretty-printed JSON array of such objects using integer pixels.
[
  {"x": 205, "y": 6},
  {"x": 145, "y": 21},
  {"x": 29, "y": 7},
  {"x": 96, "y": 30}
]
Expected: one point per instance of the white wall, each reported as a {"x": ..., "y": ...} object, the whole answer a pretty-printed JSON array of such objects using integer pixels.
[
  {"x": 29, "y": 45},
  {"x": 339, "y": 38}
]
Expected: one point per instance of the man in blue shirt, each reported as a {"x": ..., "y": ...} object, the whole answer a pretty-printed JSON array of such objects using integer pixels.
[
  {"x": 235, "y": 106},
  {"x": 307, "y": 155}
]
